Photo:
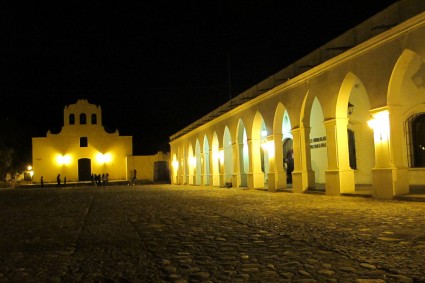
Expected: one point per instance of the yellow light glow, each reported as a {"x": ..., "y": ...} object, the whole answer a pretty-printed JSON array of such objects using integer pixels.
[
  {"x": 270, "y": 149},
  {"x": 107, "y": 157},
  {"x": 103, "y": 158},
  {"x": 380, "y": 125},
  {"x": 63, "y": 159},
  {"x": 193, "y": 161},
  {"x": 175, "y": 164},
  {"x": 221, "y": 156},
  {"x": 29, "y": 167}
]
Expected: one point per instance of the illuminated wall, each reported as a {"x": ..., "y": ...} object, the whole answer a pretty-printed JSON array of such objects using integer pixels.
[
  {"x": 82, "y": 147},
  {"x": 145, "y": 165},
  {"x": 306, "y": 107}
]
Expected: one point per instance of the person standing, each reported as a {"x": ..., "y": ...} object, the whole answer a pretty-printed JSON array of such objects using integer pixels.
[
  {"x": 58, "y": 180},
  {"x": 290, "y": 165},
  {"x": 42, "y": 182},
  {"x": 133, "y": 181}
]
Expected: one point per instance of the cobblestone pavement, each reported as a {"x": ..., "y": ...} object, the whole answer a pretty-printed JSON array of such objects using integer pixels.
[{"x": 165, "y": 233}]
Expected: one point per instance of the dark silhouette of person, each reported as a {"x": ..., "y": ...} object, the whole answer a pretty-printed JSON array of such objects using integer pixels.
[
  {"x": 290, "y": 165},
  {"x": 42, "y": 182},
  {"x": 58, "y": 179},
  {"x": 64, "y": 181},
  {"x": 133, "y": 181},
  {"x": 98, "y": 180}
]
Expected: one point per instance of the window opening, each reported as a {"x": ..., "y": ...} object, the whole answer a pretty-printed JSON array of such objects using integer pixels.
[
  {"x": 71, "y": 119},
  {"x": 82, "y": 119},
  {"x": 83, "y": 142}
]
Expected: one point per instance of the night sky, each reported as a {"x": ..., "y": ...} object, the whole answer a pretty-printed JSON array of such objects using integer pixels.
[{"x": 153, "y": 66}]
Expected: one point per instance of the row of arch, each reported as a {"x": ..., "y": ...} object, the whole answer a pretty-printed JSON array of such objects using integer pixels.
[{"x": 375, "y": 145}]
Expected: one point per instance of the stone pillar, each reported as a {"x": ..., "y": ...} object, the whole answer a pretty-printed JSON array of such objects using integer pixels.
[
  {"x": 339, "y": 176},
  {"x": 221, "y": 167},
  {"x": 302, "y": 176},
  {"x": 215, "y": 168},
  {"x": 255, "y": 175},
  {"x": 210, "y": 164},
  {"x": 202, "y": 164},
  {"x": 276, "y": 175},
  {"x": 236, "y": 177},
  {"x": 243, "y": 176},
  {"x": 389, "y": 176},
  {"x": 185, "y": 177}
]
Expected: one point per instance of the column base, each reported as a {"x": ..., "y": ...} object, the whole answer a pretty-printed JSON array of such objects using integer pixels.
[
  {"x": 339, "y": 181},
  {"x": 390, "y": 182},
  {"x": 302, "y": 181},
  {"x": 276, "y": 181},
  {"x": 255, "y": 181}
]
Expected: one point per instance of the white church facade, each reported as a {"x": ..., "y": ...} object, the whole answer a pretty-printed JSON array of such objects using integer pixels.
[{"x": 352, "y": 112}]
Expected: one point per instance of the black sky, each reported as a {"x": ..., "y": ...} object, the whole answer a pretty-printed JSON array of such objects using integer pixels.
[{"x": 153, "y": 66}]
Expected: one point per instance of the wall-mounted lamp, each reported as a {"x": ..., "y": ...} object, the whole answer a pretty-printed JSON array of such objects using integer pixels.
[
  {"x": 193, "y": 161},
  {"x": 175, "y": 164},
  {"x": 103, "y": 158},
  {"x": 381, "y": 125},
  {"x": 268, "y": 146},
  {"x": 63, "y": 159},
  {"x": 350, "y": 109}
]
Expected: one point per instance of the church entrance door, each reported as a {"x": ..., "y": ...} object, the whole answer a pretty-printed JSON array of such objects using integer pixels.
[{"x": 84, "y": 169}]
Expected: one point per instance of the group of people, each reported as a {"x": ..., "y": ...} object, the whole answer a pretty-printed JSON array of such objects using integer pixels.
[
  {"x": 97, "y": 180},
  {"x": 100, "y": 180}
]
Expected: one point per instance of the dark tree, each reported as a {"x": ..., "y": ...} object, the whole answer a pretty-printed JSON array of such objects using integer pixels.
[{"x": 6, "y": 161}]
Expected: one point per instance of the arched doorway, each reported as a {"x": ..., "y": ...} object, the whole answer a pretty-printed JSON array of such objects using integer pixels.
[{"x": 84, "y": 169}]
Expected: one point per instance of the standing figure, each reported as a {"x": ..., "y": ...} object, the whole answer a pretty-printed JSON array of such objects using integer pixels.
[
  {"x": 290, "y": 165},
  {"x": 58, "y": 179},
  {"x": 42, "y": 182},
  {"x": 98, "y": 180},
  {"x": 133, "y": 181}
]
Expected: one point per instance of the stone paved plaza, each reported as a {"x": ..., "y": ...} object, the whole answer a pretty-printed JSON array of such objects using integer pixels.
[{"x": 165, "y": 233}]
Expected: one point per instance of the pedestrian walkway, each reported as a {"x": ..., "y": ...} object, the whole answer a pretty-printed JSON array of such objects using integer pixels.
[{"x": 166, "y": 233}]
